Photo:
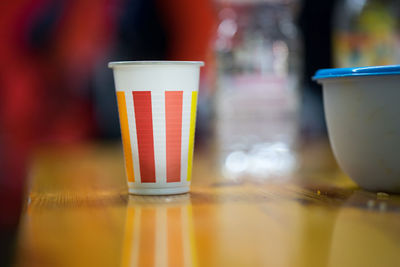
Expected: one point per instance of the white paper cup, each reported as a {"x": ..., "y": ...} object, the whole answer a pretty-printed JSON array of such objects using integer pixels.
[{"x": 157, "y": 103}]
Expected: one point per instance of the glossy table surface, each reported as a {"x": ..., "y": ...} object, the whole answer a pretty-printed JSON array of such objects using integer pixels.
[{"x": 78, "y": 213}]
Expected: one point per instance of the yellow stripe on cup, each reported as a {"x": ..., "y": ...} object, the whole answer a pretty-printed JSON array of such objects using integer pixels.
[
  {"x": 191, "y": 133},
  {"x": 126, "y": 140}
]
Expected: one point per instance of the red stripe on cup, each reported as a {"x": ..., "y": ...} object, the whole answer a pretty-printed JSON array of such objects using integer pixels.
[
  {"x": 173, "y": 129},
  {"x": 144, "y": 130}
]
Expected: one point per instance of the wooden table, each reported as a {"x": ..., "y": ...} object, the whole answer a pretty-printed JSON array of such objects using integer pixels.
[{"x": 79, "y": 214}]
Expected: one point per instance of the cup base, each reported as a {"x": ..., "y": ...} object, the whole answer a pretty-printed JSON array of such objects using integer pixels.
[{"x": 159, "y": 191}]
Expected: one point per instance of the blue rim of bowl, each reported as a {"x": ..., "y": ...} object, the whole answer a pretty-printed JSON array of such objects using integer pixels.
[
  {"x": 113, "y": 64},
  {"x": 356, "y": 72}
]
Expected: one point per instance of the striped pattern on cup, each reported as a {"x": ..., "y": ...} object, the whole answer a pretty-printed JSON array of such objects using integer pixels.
[{"x": 157, "y": 130}]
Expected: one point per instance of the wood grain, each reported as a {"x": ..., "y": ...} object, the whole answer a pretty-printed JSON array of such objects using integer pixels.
[{"x": 79, "y": 214}]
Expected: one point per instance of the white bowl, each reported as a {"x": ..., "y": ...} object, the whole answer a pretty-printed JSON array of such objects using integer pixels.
[{"x": 362, "y": 109}]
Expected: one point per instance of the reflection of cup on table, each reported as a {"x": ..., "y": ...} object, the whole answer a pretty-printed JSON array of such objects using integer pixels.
[
  {"x": 157, "y": 108},
  {"x": 159, "y": 231}
]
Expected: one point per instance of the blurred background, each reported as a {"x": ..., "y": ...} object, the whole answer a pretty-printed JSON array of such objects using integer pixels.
[{"x": 257, "y": 102}]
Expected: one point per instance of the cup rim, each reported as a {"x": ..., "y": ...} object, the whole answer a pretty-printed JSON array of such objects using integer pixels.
[{"x": 113, "y": 64}]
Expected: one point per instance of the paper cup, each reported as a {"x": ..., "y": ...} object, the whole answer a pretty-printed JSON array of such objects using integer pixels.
[{"x": 157, "y": 103}]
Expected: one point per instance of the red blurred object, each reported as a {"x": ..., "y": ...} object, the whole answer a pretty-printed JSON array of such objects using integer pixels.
[
  {"x": 44, "y": 94},
  {"x": 48, "y": 51},
  {"x": 190, "y": 27},
  {"x": 43, "y": 86},
  {"x": 44, "y": 90}
]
